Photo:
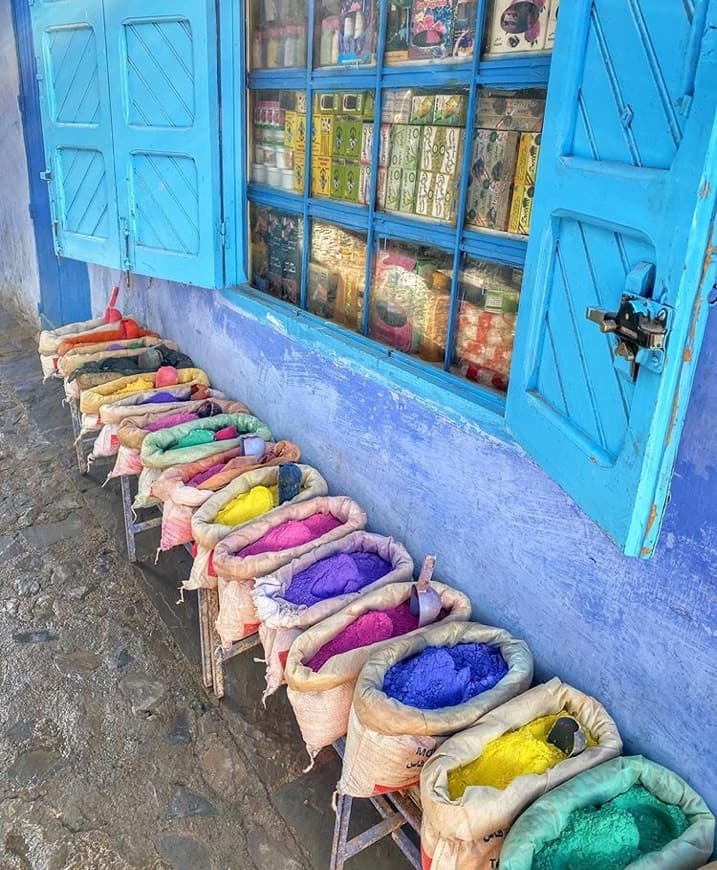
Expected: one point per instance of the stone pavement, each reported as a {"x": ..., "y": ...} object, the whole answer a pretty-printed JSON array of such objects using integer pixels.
[{"x": 111, "y": 753}]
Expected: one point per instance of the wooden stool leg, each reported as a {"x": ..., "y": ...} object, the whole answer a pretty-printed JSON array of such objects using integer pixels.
[
  {"x": 216, "y": 644},
  {"x": 341, "y": 832},
  {"x": 204, "y": 641},
  {"x": 128, "y": 519}
]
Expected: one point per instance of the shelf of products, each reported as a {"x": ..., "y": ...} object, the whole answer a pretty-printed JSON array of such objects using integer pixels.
[{"x": 420, "y": 149}]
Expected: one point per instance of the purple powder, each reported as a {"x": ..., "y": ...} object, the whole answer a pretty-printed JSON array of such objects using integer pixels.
[
  {"x": 170, "y": 420},
  {"x": 205, "y": 475},
  {"x": 162, "y": 398},
  {"x": 445, "y": 676},
  {"x": 371, "y": 627},
  {"x": 341, "y": 574},
  {"x": 292, "y": 533}
]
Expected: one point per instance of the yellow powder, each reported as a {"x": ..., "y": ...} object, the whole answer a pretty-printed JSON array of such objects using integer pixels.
[
  {"x": 248, "y": 505},
  {"x": 516, "y": 753},
  {"x": 137, "y": 386}
]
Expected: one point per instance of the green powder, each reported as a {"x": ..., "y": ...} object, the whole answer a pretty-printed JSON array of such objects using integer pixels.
[{"x": 612, "y": 836}]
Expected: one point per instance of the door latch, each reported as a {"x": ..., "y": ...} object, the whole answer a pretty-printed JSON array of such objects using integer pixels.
[
  {"x": 640, "y": 325},
  {"x": 46, "y": 175}
]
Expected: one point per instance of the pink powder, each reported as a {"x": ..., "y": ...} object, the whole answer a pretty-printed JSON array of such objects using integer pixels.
[
  {"x": 170, "y": 420},
  {"x": 292, "y": 533},
  {"x": 205, "y": 475},
  {"x": 372, "y": 627}
]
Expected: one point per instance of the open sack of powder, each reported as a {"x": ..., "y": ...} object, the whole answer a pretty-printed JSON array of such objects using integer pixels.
[
  {"x": 240, "y": 502},
  {"x": 141, "y": 361},
  {"x": 319, "y": 584},
  {"x": 447, "y": 677},
  {"x": 627, "y": 812},
  {"x": 184, "y": 488},
  {"x": 134, "y": 423},
  {"x": 79, "y": 356},
  {"x": 264, "y": 545},
  {"x": 479, "y": 781},
  {"x": 324, "y": 662},
  {"x": 93, "y": 400},
  {"x": 189, "y": 442},
  {"x": 50, "y": 339}
]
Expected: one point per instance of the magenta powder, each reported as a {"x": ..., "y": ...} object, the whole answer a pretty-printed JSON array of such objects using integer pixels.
[
  {"x": 371, "y": 627},
  {"x": 340, "y": 574},
  {"x": 171, "y": 420},
  {"x": 292, "y": 533},
  {"x": 205, "y": 475},
  {"x": 445, "y": 676}
]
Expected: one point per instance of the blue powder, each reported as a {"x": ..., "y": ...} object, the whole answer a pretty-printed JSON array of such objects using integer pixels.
[
  {"x": 445, "y": 676},
  {"x": 341, "y": 574}
]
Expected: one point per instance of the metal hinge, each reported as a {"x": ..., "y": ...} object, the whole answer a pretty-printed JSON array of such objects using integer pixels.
[
  {"x": 46, "y": 175},
  {"x": 640, "y": 325},
  {"x": 223, "y": 234}
]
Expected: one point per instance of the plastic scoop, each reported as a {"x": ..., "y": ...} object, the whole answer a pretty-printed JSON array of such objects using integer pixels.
[
  {"x": 568, "y": 736},
  {"x": 253, "y": 445},
  {"x": 112, "y": 314},
  {"x": 425, "y": 603}
]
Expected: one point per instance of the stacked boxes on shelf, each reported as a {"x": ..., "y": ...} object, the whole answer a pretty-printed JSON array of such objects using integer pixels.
[
  {"x": 346, "y": 32},
  {"x": 425, "y": 143},
  {"x": 342, "y": 135},
  {"x": 337, "y": 273},
  {"x": 486, "y": 322},
  {"x": 279, "y": 139},
  {"x": 276, "y": 243},
  {"x": 278, "y": 34},
  {"x": 430, "y": 29},
  {"x": 504, "y": 159},
  {"x": 519, "y": 25}
]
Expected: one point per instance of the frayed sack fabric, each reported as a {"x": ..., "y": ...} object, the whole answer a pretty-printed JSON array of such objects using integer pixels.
[
  {"x": 321, "y": 699},
  {"x": 92, "y": 400},
  {"x": 128, "y": 462},
  {"x": 282, "y": 621},
  {"x": 546, "y": 819},
  {"x": 140, "y": 363},
  {"x": 180, "y": 500},
  {"x": 470, "y": 831},
  {"x": 207, "y": 532},
  {"x": 50, "y": 339},
  {"x": 126, "y": 328},
  {"x": 160, "y": 450},
  {"x": 389, "y": 742}
]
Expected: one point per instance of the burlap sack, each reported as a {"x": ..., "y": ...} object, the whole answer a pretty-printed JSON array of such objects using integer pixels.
[
  {"x": 322, "y": 699},
  {"x": 132, "y": 431},
  {"x": 115, "y": 412},
  {"x": 180, "y": 500},
  {"x": 85, "y": 353},
  {"x": 207, "y": 533},
  {"x": 470, "y": 831},
  {"x": 388, "y": 742},
  {"x": 159, "y": 449},
  {"x": 92, "y": 400},
  {"x": 128, "y": 462},
  {"x": 49, "y": 339},
  {"x": 281, "y": 621},
  {"x": 546, "y": 819}
]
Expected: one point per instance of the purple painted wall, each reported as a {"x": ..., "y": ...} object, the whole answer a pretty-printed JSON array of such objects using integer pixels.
[{"x": 641, "y": 636}]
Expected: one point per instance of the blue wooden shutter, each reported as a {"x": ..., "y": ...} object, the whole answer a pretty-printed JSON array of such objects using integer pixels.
[
  {"x": 70, "y": 47},
  {"x": 162, "y": 57},
  {"x": 625, "y": 202}
]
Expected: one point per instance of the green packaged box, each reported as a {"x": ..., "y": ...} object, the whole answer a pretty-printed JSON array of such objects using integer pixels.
[
  {"x": 493, "y": 163},
  {"x": 405, "y": 146},
  {"x": 441, "y": 149},
  {"x": 364, "y": 184},
  {"x": 511, "y": 110},
  {"x": 366, "y": 142},
  {"x": 422, "y": 108},
  {"x": 338, "y": 138},
  {"x": 369, "y": 106},
  {"x": 450, "y": 110},
  {"x": 384, "y": 145},
  {"x": 337, "y": 179},
  {"x": 396, "y": 106},
  {"x": 393, "y": 188},
  {"x": 444, "y": 197},
  {"x": 424, "y": 193},
  {"x": 351, "y": 103},
  {"x": 409, "y": 185},
  {"x": 326, "y": 104},
  {"x": 381, "y": 184},
  {"x": 353, "y": 137},
  {"x": 351, "y": 177}
]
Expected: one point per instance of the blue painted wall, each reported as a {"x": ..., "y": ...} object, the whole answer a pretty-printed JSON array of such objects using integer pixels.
[{"x": 639, "y": 635}]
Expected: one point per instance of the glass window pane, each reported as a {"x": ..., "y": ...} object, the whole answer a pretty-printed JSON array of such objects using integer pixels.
[
  {"x": 430, "y": 30},
  {"x": 345, "y": 32},
  {"x": 279, "y": 139},
  {"x": 277, "y": 34},
  {"x": 506, "y": 144},
  {"x": 514, "y": 26},
  {"x": 341, "y": 143},
  {"x": 410, "y": 298},
  {"x": 422, "y": 135},
  {"x": 276, "y": 239},
  {"x": 337, "y": 274},
  {"x": 488, "y": 305}
]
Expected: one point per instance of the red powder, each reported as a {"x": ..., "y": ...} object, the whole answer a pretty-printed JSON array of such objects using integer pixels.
[{"x": 372, "y": 627}]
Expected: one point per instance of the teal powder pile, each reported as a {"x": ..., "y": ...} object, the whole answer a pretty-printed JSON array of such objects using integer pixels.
[{"x": 612, "y": 836}]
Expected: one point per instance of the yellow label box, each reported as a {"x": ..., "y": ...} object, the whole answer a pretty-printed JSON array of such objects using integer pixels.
[{"x": 521, "y": 208}]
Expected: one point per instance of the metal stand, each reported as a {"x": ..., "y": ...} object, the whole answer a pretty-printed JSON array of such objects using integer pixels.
[
  {"x": 131, "y": 526},
  {"x": 80, "y": 439},
  {"x": 396, "y": 809}
]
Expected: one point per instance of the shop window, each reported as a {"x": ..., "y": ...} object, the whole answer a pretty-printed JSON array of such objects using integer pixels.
[
  {"x": 337, "y": 274},
  {"x": 275, "y": 252},
  {"x": 278, "y": 143}
]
